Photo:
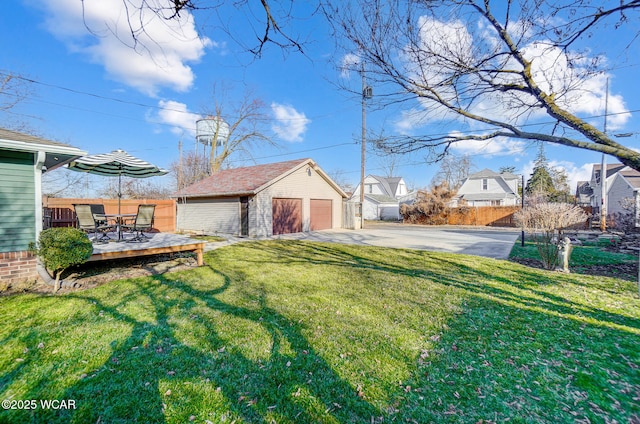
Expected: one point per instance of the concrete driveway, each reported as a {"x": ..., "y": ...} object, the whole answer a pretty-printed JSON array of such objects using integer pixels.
[{"x": 479, "y": 241}]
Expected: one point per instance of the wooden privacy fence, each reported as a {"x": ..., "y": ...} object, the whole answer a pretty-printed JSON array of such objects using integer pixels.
[
  {"x": 494, "y": 216},
  {"x": 60, "y": 212}
]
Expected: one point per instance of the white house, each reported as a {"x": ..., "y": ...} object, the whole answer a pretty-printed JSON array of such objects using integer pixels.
[
  {"x": 594, "y": 183},
  {"x": 489, "y": 188},
  {"x": 622, "y": 193},
  {"x": 383, "y": 196}
]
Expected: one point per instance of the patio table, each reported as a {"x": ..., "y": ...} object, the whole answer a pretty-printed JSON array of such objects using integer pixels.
[{"x": 119, "y": 219}]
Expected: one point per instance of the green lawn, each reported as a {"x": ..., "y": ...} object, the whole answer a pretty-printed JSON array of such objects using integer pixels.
[
  {"x": 296, "y": 332},
  {"x": 588, "y": 258}
]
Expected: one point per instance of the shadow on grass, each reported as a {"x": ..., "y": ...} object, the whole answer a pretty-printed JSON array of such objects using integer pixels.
[
  {"x": 152, "y": 375},
  {"x": 523, "y": 288},
  {"x": 515, "y": 349}
]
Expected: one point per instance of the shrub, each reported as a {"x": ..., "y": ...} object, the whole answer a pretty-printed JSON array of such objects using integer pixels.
[
  {"x": 430, "y": 207},
  {"x": 625, "y": 221},
  {"x": 545, "y": 222},
  {"x": 60, "y": 248}
]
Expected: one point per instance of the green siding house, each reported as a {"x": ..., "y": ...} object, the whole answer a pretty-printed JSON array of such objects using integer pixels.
[{"x": 23, "y": 159}]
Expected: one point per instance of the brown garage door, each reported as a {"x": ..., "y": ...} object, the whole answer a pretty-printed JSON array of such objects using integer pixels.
[
  {"x": 287, "y": 216},
  {"x": 321, "y": 214}
]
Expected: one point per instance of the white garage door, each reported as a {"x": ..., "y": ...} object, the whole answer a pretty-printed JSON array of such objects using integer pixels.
[{"x": 210, "y": 215}]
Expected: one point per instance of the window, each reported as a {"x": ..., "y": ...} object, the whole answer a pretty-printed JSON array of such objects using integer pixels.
[
  {"x": 496, "y": 202},
  {"x": 369, "y": 188},
  {"x": 485, "y": 184}
]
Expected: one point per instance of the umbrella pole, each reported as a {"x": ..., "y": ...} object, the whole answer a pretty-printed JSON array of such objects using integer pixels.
[{"x": 119, "y": 191}]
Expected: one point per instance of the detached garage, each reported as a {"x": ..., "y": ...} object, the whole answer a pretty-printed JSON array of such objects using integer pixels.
[{"x": 262, "y": 200}]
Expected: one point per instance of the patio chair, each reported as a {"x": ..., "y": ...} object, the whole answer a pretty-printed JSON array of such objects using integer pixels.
[
  {"x": 88, "y": 223},
  {"x": 99, "y": 214},
  {"x": 142, "y": 222}
]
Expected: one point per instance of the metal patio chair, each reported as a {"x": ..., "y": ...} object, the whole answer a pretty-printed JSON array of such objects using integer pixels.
[
  {"x": 90, "y": 223},
  {"x": 142, "y": 222}
]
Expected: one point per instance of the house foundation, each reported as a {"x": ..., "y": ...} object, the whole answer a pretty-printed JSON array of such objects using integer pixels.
[{"x": 17, "y": 267}]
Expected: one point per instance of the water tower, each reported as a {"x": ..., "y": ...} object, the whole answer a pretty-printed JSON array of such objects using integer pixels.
[{"x": 212, "y": 131}]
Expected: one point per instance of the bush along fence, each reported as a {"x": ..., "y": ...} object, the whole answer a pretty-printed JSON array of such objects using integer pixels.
[{"x": 60, "y": 212}]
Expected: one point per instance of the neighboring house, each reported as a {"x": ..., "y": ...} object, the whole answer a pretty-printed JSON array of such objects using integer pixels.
[
  {"x": 584, "y": 192},
  {"x": 23, "y": 159},
  {"x": 489, "y": 188},
  {"x": 622, "y": 193},
  {"x": 262, "y": 200},
  {"x": 382, "y": 197},
  {"x": 594, "y": 183}
]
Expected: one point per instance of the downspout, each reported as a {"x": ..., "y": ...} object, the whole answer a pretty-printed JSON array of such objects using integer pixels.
[{"x": 37, "y": 176}]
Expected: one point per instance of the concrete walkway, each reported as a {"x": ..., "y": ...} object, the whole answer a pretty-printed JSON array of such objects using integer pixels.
[{"x": 479, "y": 241}]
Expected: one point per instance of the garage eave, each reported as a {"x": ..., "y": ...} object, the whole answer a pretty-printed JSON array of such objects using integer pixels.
[{"x": 212, "y": 195}]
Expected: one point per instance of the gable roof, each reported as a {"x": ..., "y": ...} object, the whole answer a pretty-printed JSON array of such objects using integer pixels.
[
  {"x": 249, "y": 180},
  {"x": 487, "y": 173},
  {"x": 56, "y": 154},
  {"x": 611, "y": 168},
  {"x": 583, "y": 189},
  {"x": 632, "y": 177},
  {"x": 381, "y": 198},
  {"x": 389, "y": 184}
]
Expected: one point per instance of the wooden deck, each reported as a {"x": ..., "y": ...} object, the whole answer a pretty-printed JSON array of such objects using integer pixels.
[{"x": 158, "y": 243}]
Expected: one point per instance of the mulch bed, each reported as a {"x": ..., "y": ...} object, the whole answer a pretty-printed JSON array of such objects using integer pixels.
[
  {"x": 94, "y": 274},
  {"x": 622, "y": 271}
]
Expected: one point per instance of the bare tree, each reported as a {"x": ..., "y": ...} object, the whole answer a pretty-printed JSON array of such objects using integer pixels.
[
  {"x": 13, "y": 89},
  {"x": 339, "y": 177},
  {"x": 389, "y": 163},
  {"x": 453, "y": 171},
  {"x": 493, "y": 67},
  {"x": 267, "y": 18},
  {"x": 237, "y": 129},
  {"x": 134, "y": 188},
  {"x": 189, "y": 168},
  {"x": 63, "y": 183},
  {"x": 247, "y": 119}
]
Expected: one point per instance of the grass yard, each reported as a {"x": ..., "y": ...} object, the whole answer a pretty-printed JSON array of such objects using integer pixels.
[{"x": 300, "y": 332}]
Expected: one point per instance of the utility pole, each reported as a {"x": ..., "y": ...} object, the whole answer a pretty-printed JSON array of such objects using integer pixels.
[
  {"x": 522, "y": 200},
  {"x": 603, "y": 170},
  {"x": 367, "y": 93}
]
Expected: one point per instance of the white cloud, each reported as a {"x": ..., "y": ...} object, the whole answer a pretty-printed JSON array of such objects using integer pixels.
[
  {"x": 291, "y": 124},
  {"x": 574, "y": 173},
  {"x": 160, "y": 57},
  {"x": 350, "y": 62},
  {"x": 178, "y": 116},
  {"x": 565, "y": 74},
  {"x": 490, "y": 148},
  {"x": 579, "y": 91}
]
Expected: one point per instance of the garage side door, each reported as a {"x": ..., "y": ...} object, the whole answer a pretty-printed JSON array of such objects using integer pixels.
[
  {"x": 287, "y": 216},
  {"x": 321, "y": 214}
]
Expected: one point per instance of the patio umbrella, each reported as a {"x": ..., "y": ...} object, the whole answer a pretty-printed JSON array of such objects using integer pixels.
[{"x": 116, "y": 163}]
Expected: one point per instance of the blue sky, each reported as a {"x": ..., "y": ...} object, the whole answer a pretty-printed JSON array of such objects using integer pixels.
[{"x": 95, "y": 93}]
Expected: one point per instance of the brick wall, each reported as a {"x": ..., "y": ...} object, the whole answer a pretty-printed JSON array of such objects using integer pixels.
[{"x": 17, "y": 267}]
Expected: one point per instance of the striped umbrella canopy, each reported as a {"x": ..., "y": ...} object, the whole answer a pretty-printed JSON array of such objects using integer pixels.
[{"x": 116, "y": 163}]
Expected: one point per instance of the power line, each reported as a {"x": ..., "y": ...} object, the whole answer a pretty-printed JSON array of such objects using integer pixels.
[{"x": 132, "y": 103}]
